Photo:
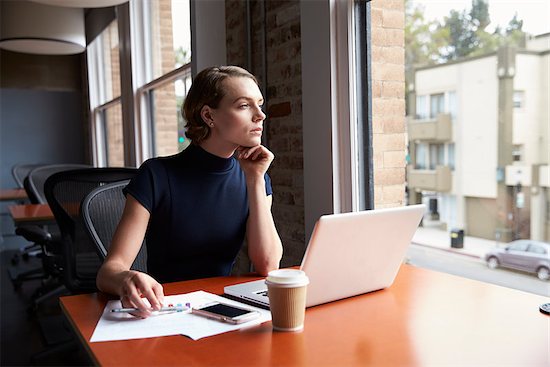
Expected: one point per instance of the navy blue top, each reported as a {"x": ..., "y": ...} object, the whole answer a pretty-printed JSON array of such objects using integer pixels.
[{"x": 199, "y": 207}]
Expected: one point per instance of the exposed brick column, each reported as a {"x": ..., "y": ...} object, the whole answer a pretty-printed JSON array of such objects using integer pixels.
[{"x": 388, "y": 102}]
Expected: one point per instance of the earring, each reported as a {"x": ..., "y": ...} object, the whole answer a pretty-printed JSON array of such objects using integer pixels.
[{"x": 211, "y": 124}]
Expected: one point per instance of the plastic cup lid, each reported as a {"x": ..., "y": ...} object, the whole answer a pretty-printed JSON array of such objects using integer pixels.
[{"x": 287, "y": 276}]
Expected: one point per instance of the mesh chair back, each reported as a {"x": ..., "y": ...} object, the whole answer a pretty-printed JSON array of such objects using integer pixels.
[
  {"x": 65, "y": 192},
  {"x": 34, "y": 182},
  {"x": 101, "y": 211},
  {"x": 20, "y": 171}
]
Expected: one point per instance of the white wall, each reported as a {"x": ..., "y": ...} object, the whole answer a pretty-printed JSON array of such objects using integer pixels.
[
  {"x": 475, "y": 129},
  {"x": 531, "y": 121}
]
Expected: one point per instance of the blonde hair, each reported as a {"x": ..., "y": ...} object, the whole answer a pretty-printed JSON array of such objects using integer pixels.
[{"x": 207, "y": 90}]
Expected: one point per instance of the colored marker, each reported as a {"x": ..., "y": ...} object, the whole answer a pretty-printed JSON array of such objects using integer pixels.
[{"x": 177, "y": 308}]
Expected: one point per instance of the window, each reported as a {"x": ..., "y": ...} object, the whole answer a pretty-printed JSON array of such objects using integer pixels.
[
  {"x": 112, "y": 124},
  {"x": 105, "y": 89},
  {"x": 537, "y": 249},
  {"x": 422, "y": 110},
  {"x": 494, "y": 99},
  {"x": 421, "y": 156},
  {"x": 167, "y": 124},
  {"x": 437, "y": 104},
  {"x": 166, "y": 76},
  {"x": 452, "y": 105},
  {"x": 517, "y": 151},
  {"x": 437, "y": 155},
  {"x": 451, "y": 155},
  {"x": 519, "y": 99},
  {"x": 519, "y": 246}
]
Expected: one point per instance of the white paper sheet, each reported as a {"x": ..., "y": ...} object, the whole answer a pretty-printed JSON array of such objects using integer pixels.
[{"x": 121, "y": 326}]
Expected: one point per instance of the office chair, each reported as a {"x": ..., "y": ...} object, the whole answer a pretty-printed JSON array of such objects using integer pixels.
[
  {"x": 101, "y": 211},
  {"x": 20, "y": 171},
  {"x": 64, "y": 192},
  {"x": 43, "y": 238}
]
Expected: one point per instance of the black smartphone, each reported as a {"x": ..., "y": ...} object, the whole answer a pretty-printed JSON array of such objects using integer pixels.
[{"x": 226, "y": 313}]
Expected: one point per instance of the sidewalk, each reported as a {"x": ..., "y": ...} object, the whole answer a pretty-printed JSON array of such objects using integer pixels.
[{"x": 441, "y": 240}]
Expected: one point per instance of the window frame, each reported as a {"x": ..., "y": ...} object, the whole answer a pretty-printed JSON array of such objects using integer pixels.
[{"x": 330, "y": 109}]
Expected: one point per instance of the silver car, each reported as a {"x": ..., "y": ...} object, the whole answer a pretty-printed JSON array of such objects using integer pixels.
[{"x": 526, "y": 255}]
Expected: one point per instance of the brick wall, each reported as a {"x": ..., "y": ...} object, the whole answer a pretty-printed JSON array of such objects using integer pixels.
[
  {"x": 388, "y": 99},
  {"x": 113, "y": 115},
  {"x": 165, "y": 104},
  {"x": 283, "y": 127},
  {"x": 283, "y": 90}
]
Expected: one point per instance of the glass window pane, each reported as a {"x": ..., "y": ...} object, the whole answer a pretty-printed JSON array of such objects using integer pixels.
[
  {"x": 451, "y": 155},
  {"x": 168, "y": 123},
  {"x": 422, "y": 107},
  {"x": 107, "y": 47},
  {"x": 452, "y": 105},
  {"x": 170, "y": 36},
  {"x": 113, "y": 135},
  {"x": 437, "y": 104},
  {"x": 421, "y": 156},
  {"x": 497, "y": 148}
]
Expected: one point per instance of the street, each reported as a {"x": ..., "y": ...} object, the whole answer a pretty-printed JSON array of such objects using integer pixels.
[{"x": 474, "y": 268}]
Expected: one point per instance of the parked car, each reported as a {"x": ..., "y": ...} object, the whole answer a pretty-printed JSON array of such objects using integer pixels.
[{"x": 526, "y": 255}]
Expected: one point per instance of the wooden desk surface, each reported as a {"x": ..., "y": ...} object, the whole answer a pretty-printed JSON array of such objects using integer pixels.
[
  {"x": 425, "y": 319},
  {"x": 12, "y": 194},
  {"x": 31, "y": 213}
]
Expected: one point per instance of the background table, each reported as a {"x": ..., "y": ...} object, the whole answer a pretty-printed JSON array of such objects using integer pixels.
[
  {"x": 425, "y": 319},
  {"x": 31, "y": 213},
  {"x": 12, "y": 194}
]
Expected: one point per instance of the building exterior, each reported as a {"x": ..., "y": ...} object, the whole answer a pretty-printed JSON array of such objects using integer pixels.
[{"x": 478, "y": 137}]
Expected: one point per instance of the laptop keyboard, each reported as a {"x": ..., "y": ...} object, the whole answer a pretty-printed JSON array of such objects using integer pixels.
[{"x": 262, "y": 293}]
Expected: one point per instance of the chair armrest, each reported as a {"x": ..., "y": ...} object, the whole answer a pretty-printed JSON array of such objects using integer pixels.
[{"x": 33, "y": 233}]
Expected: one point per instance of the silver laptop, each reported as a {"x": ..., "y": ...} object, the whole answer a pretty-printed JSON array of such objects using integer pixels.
[{"x": 348, "y": 254}]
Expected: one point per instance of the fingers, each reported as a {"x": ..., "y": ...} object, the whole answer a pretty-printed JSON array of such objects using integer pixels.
[
  {"x": 138, "y": 285},
  {"x": 253, "y": 153}
]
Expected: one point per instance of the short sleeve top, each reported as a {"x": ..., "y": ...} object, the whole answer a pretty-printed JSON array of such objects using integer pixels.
[{"x": 199, "y": 208}]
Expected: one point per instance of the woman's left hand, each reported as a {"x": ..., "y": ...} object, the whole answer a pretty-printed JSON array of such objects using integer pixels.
[{"x": 254, "y": 160}]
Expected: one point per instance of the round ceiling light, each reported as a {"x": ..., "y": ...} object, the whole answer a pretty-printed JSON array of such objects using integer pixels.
[
  {"x": 41, "y": 29},
  {"x": 82, "y": 3}
]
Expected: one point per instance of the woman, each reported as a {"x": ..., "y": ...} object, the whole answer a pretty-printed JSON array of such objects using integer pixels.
[{"x": 195, "y": 208}]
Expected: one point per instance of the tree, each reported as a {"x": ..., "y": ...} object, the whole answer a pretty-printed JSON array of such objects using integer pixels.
[{"x": 461, "y": 34}]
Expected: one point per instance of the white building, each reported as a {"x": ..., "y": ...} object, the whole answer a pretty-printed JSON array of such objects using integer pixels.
[{"x": 479, "y": 142}]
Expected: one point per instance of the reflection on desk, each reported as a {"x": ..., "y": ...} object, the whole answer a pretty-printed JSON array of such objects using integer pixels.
[
  {"x": 425, "y": 318},
  {"x": 13, "y": 194},
  {"x": 31, "y": 213}
]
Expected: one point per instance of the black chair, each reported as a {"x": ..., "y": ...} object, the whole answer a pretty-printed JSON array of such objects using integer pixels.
[
  {"x": 43, "y": 238},
  {"x": 65, "y": 191},
  {"x": 101, "y": 211},
  {"x": 20, "y": 171},
  {"x": 35, "y": 180}
]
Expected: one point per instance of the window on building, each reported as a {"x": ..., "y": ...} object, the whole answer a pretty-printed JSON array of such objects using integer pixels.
[
  {"x": 452, "y": 105},
  {"x": 422, "y": 109},
  {"x": 421, "y": 156},
  {"x": 437, "y": 104},
  {"x": 517, "y": 152},
  {"x": 437, "y": 155},
  {"x": 519, "y": 99},
  {"x": 451, "y": 155}
]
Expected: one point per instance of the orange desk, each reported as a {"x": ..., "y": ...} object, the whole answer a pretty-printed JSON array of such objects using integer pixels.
[
  {"x": 12, "y": 194},
  {"x": 31, "y": 213},
  {"x": 425, "y": 319}
]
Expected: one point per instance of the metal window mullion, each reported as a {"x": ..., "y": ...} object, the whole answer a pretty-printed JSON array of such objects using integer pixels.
[{"x": 364, "y": 110}]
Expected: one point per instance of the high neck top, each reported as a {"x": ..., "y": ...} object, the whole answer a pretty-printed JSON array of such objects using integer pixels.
[{"x": 198, "y": 158}]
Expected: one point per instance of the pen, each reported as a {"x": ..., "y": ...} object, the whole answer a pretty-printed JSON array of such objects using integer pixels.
[{"x": 177, "y": 308}]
